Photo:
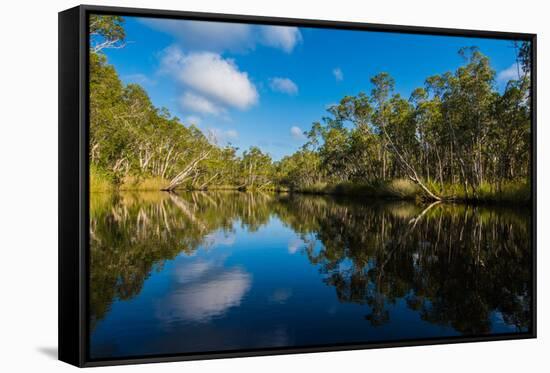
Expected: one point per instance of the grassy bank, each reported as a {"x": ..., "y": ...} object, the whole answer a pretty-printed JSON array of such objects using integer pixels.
[
  {"x": 143, "y": 184},
  {"x": 511, "y": 192},
  {"x": 396, "y": 189},
  {"x": 402, "y": 189},
  {"x": 101, "y": 181},
  {"x": 518, "y": 192}
]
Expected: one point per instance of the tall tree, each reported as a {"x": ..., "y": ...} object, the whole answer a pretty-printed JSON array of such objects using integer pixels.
[{"x": 106, "y": 31}]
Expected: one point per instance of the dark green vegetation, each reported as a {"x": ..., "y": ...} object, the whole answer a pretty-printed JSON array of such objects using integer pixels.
[
  {"x": 453, "y": 264},
  {"x": 456, "y": 138}
]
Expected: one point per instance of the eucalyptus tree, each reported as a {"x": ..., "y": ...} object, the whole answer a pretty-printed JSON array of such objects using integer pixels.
[
  {"x": 383, "y": 86},
  {"x": 301, "y": 169},
  {"x": 257, "y": 169},
  {"x": 106, "y": 31},
  {"x": 109, "y": 138},
  {"x": 397, "y": 137},
  {"x": 431, "y": 145},
  {"x": 363, "y": 142},
  {"x": 467, "y": 96}
]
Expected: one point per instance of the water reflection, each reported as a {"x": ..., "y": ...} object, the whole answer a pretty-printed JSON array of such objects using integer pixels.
[
  {"x": 203, "y": 290},
  {"x": 453, "y": 264},
  {"x": 288, "y": 269},
  {"x": 280, "y": 295}
]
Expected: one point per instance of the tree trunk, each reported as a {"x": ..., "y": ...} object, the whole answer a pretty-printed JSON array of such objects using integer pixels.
[
  {"x": 183, "y": 175},
  {"x": 410, "y": 171}
]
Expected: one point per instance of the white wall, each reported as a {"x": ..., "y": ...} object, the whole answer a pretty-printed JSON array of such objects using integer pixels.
[{"x": 28, "y": 184}]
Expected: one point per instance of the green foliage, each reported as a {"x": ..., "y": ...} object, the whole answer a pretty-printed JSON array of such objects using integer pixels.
[
  {"x": 457, "y": 138},
  {"x": 106, "y": 31}
]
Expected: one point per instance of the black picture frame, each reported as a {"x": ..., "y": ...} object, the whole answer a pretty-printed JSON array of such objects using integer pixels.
[{"x": 74, "y": 180}]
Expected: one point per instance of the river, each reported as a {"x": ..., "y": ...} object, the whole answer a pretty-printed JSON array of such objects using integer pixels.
[{"x": 210, "y": 271}]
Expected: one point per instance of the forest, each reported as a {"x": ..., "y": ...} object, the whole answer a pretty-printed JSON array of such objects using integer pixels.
[{"x": 456, "y": 138}]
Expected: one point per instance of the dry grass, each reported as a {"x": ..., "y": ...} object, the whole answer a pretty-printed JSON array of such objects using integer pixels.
[
  {"x": 100, "y": 181},
  {"x": 397, "y": 189},
  {"x": 143, "y": 184}
]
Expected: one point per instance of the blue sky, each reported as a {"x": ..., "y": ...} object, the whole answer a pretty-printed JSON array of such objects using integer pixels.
[{"x": 263, "y": 85}]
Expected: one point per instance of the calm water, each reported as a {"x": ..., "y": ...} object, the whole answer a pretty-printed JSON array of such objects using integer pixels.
[{"x": 207, "y": 271}]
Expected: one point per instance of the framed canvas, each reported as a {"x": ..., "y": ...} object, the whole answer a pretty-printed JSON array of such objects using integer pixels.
[{"x": 235, "y": 186}]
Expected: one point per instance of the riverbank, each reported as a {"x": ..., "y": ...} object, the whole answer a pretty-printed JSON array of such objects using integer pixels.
[
  {"x": 511, "y": 192},
  {"x": 101, "y": 181},
  {"x": 401, "y": 189}
]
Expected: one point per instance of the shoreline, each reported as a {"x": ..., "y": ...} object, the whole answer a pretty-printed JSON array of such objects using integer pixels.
[{"x": 383, "y": 191}]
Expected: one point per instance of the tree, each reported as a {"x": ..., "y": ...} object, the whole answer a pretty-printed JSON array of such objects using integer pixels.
[
  {"x": 383, "y": 86},
  {"x": 106, "y": 31},
  {"x": 386, "y": 111},
  {"x": 303, "y": 168},
  {"x": 257, "y": 169}
]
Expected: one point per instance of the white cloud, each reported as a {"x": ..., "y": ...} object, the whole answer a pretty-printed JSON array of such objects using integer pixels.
[
  {"x": 199, "y": 104},
  {"x": 212, "y": 36},
  {"x": 283, "y": 85},
  {"x": 222, "y": 137},
  {"x": 509, "y": 73},
  {"x": 338, "y": 74},
  {"x": 283, "y": 37},
  {"x": 220, "y": 36},
  {"x": 232, "y": 134},
  {"x": 139, "y": 78},
  {"x": 212, "y": 83},
  {"x": 297, "y": 133},
  {"x": 193, "y": 119}
]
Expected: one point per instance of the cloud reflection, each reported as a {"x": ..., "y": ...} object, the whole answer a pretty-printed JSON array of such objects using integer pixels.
[
  {"x": 205, "y": 289},
  {"x": 294, "y": 244},
  {"x": 280, "y": 296}
]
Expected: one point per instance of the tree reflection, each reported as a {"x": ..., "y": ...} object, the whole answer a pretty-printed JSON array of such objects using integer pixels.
[
  {"x": 455, "y": 265},
  {"x": 133, "y": 234}
]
